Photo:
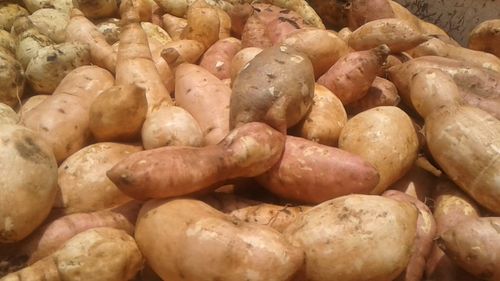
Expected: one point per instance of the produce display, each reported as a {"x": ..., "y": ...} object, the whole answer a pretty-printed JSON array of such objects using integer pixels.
[{"x": 240, "y": 140}]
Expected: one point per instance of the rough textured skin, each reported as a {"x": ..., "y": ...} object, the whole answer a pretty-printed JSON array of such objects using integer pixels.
[
  {"x": 325, "y": 119},
  {"x": 241, "y": 59},
  {"x": 451, "y": 207},
  {"x": 28, "y": 181},
  {"x": 382, "y": 92},
  {"x": 97, "y": 9},
  {"x": 29, "y": 40},
  {"x": 8, "y": 115},
  {"x": 65, "y": 130},
  {"x": 436, "y": 47},
  {"x": 188, "y": 240},
  {"x": 312, "y": 173},
  {"x": 474, "y": 245},
  {"x": 110, "y": 29},
  {"x": 465, "y": 142},
  {"x": 323, "y": 47},
  {"x": 206, "y": 98},
  {"x": 82, "y": 257},
  {"x": 247, "y": 151},
  {"x": 52, "y": 23},
  {"x": 118, "y": 113},
  {"x": 277, "y": 88},
  {"x": 217, "y": 59},
  {"x": 12, "y": 71},
  {"x": 275, "y": 216},
  {"x": 83, "y": 185},
  {"x": 351, "y": 76},
  {"x": 377, "y": 232},
  {"x": 7, "y": 41},
  {"x": 486, "y": 37},
  {"x": 360, "y": 12},
  {"x": 80, "y": 29},
  {"x": 9, "y": 12},
  {"x": 424, "y": 240},
  {"x": 385, "y": 137},
  {"x": 395, "y": 33}
]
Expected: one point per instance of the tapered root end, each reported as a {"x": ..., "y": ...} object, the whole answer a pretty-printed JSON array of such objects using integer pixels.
[{"x": 129, "y": 13}]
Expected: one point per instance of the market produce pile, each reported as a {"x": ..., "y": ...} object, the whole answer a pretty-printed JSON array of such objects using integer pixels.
[{"x": 235, "y": 140}]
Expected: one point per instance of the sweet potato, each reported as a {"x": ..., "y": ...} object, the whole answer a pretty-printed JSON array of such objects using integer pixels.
[
  {"x": 118, "y": 113},
  {"x": 162, "y": 67},
  {"x": 62, "y": 119},
  {"x": 241, "y": 59},
  {"x": 11, "y": 79},
  {"x": 275, "y": 216},
  {"x": 97, "y": 9},
  {"x": 395, "y": 33},
  {"x": 485, "y": 37},
  {"x": 277, "y": 87},
  {"x": 227, "y": 202},
  {"x": 360, "y": 12},
  {"x": 48, "y": 238},
  {"x": 246, "y": 152},
  {"x": 312, "y": 173},
  {"x": 29, "y": 40},
  {"x": 83, "y": 185},
  {"x": 217, "y": 59},
  {"x": 474, "y": 244},
  {"x": 82, "y": 257},
  {"x": 110, "y": 28},
  {"x": 142, "y": 7},
  {"x": 31, "y": 103},
  {"x": 28, "y": 181},
  {"x": 52, "y": 63},
  {"x": 9, "y": 12},
  {"x": 378, "y": 231},
  {"x": 155, "y": 32},
  {"x": 203, "y": 24},
  {"x": 323, "y": 47},
  {"x": 173, "y": 25},
  {"x": 465, "y": 143},
  {"x": 51, "y": 23},
  {"x": 422, "y": 246},
  {"x": 332, "y": 13},
  {"x": 239, "y": 15},
  {"x": 80, "y": 29},
  {"x": 351, "y": 76},
  {"x": 382, "y": 92},
  {"x": 402, "y": 13},
  {"x": 7, "y": 41},
  {"x": 8, "y": 115},
  {"x": 325, "y": 119},
  {"x": 417, "y": 183},
  {"x": 344, "y": 34},
  {"x": 436, "y": 47},
  {"x": 181, "y": 51},
  {"x": 188, "y": 240},
  {"x": 385, "y": 137},
  {"x": 302, "y": 8},
  {"x": 63, "y": 6},
  {"x": 480, "y": 86},
  {"x": 196, "y": 89},
  {"x": 451, "y": 206}
]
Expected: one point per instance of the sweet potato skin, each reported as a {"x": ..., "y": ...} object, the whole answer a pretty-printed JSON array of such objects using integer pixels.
[
  {"x": 217, "y": 59},
  {"x": 382, "y": 92},
  {"x": 246, "y": 152},
  {"x": 312, "y": 173}
]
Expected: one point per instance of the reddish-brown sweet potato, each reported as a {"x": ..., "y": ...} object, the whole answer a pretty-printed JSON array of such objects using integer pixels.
[{"x": 217, "y": 59}]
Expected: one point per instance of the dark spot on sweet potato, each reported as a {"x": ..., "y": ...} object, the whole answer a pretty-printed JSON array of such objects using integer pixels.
[
  {"x": 52, "y": 57},
  {"x": 61, "y": 110},
  {"x": 271, "y": 76},
  {"x": 30, "y": 150},
  {"x": 279, "y": 61}
]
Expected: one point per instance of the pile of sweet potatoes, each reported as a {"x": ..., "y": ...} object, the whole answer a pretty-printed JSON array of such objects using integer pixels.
[{"x": 205, "y": 140}]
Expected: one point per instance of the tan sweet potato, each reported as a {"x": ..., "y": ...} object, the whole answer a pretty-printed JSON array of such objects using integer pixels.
[
  {"x": 29, "y": 40},
  {"x": 30, "y": 103},
  {"x": 241, "y": 59},
  {"x": 312, "y": 173},
  {"x": 11, "y": 79},
  {"x": 395, "y": 33},
  {"x": 80, "y": 29},
  {"x": 97, "y": 9},
  {"x": 196, "y": 90},
  {"x": 203, "y": 24},
  {"x": 7, "y": 41},
  {"x": 302, "y": 8},
  {"x": 62, "y": 119},
  {"x": 382, "y": 92},
  {"x": 277, "y": 88},
  {"x": 28, "y": 181},
  {"x": 422, "y": 246},
  {"x": 436, "y": 47},
  {"x": 51, "y": 23},
  {"x": 246, "y": 152},
  {"x": 451, "y": 206},
  {"x": 378, "y": 231},
  {"x": 118, "y": 113},
  {"x": 110, "y": 28},
  {"x": 82, "y": 257},
  {"x": 323, "y": 47},
  {"x": 83, "y": 185},
  {"x": 173, "y": 25},
  {"x": 402, "y": 13},
  {"x": 486, "y": 37},
  {"x": 168, "y": 232},
  {"x": 351, "y": 76},
  {"x": 8, "y": 115},
  {"x": 181, "y": 51},
  {"x": 360, "y": 12},
  {"x": 474, "y": 245},
  {"x": 385, "y": 137},
  {"x": 344, "y": 34},
  {"x": 465, "y": 143},
  {"x": 217, "y": 59},
  {"x": 9, "y": 12},
  {"x": 325, "y": 119}
]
